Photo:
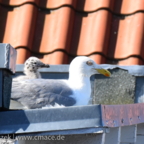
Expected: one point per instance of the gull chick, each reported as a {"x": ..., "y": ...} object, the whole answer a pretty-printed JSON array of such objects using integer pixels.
[{"x": 31, "y": 67}]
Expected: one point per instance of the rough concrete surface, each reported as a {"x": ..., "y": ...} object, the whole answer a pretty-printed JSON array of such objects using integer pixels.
[{"x": 118, "y": 89}]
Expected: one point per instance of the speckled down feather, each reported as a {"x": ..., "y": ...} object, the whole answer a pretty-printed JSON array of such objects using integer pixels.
[{"x": 31, "y": 67}]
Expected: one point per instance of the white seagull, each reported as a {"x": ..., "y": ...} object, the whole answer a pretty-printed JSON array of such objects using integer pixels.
[{"x": 76, "y": 91}]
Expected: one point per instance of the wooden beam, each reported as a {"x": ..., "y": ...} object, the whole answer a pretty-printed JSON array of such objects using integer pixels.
[
  {"x": 129, "y": 134},
  {"x": 140, "y": 133},
  {"x": 114, "y": 136}
]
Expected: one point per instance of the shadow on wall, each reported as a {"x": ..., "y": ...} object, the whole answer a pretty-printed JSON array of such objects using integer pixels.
[{"x": 11, "y": 122}]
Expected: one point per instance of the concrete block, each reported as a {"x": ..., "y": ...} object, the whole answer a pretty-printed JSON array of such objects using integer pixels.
[{"x": 117, "y": 89}]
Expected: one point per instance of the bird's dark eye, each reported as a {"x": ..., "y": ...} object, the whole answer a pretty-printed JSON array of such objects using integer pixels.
[
  {"x": 34, "y": 62},
  {"x": 89, "y": 63}
]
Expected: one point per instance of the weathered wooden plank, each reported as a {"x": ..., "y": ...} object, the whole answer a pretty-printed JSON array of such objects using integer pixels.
[
  {"x": 140, "y": 139},
  {"x": 140, "y": 129},
  {"x": 129, "y": 134},
  {"x": 140, "y": 133},
  {"x": 113, "y": 137}
]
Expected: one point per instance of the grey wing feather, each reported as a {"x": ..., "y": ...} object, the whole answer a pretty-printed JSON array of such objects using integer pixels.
[{"x": 36, "y": 93}]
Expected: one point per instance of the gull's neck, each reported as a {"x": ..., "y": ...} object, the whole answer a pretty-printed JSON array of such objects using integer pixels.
[
  {"x": 32, "y": 74},
  {"x": 78, "y": 77},
  {"x": 82, "y": 87},
  {"x": 79, "y": 81}
]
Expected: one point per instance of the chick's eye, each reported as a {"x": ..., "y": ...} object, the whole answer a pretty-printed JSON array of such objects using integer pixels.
[{"x": 89, "y": 63}]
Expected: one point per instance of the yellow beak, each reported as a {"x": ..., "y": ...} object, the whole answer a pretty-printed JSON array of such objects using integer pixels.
[{"x": 104, "y": 72}]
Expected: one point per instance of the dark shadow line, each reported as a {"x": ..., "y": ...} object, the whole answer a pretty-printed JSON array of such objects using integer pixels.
[
  {"x": 42, "y": 9},
  {"x": 71, "y": 55}
]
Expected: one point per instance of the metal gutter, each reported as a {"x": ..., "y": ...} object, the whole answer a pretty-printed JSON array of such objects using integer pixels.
[
  {"x": 53, "y": 119},
  {"x": 70, "y": 120}
]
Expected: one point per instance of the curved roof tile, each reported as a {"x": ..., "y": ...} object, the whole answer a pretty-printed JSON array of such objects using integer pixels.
[
  {"x": 20, "y": 24},
  {"x": 53, "y": 30},
  {"x": 17, "y": 2},
  {"x": 109, "y": 31},
  {"x": 127, "y": 36},
  {"x": 116, "y": 6}
]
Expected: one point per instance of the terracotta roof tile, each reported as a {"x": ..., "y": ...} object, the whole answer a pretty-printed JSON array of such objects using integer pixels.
[
  {"x": 56, "y": 58},
  {"x": 18, "y": 2},
  {"x": 126, "y": 36},
  {"x": 53, "y": 31},
  {"x": 128, "y": 6},
  {"x": 22, "y": 55},
  {"x": 56, "y": 4},
  {"x": 130, "y": 61},
  {"x": 92, "y": 5},
  {"x": 20, "y": 24},
  {"x": 117, "y": 6},
  {"x": 90, "y": 33},
  {"x": 109, "y": 31}
]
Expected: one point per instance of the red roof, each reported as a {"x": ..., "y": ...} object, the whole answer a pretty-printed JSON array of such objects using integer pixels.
[{"x": 109, "y": 31}]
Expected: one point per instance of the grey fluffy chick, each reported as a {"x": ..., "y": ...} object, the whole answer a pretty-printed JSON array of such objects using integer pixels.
[{"x": 31, "y": 67}]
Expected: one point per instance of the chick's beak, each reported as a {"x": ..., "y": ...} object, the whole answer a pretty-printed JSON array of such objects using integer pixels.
[
  {"x": 104, "y": 72},
  {"x": 45, "y": 66}
]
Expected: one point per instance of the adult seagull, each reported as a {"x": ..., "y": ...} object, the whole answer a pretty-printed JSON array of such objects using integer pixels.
[{"x": 37, "y": 93}]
